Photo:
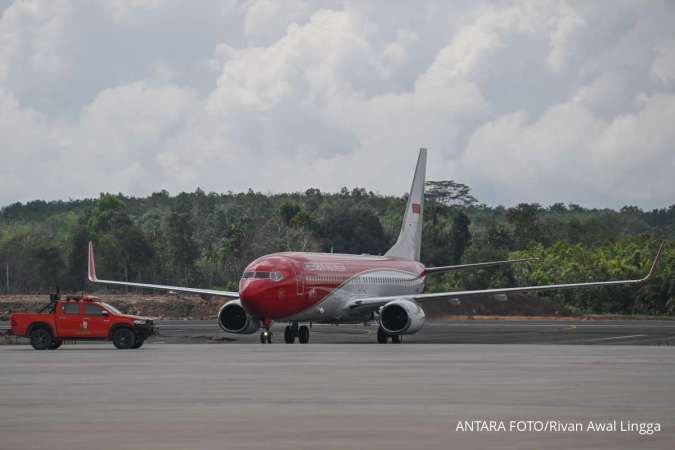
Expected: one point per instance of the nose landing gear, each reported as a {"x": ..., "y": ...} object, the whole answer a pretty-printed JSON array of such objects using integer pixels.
[
  {"x": 266, "y": 334},
  {"x": 266, "y": 337}
]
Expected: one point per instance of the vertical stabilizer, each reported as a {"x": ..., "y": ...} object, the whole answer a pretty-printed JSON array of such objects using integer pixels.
[{"x": 409, "y": 241}]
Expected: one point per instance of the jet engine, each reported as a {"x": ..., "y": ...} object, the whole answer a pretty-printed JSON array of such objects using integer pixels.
[
  {"x": 232, "y": 318},
  {"x": 402, "y": 316}
]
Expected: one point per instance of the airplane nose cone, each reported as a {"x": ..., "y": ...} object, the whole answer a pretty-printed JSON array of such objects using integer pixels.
[
  {"x": 267, "y": 288},
  {"x": 253, "y": 297}
]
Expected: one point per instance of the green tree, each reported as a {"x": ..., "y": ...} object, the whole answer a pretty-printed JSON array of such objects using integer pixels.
[
  {"x": 182, "y": 247},
  {"x": 357, "y": 230},
  {"x": 77, "y": 259},
  {"x": 446, "y": 193},
  {"x": 524, "y": 219},
  {"x": 288, "y": 211},
  {"x": 122, "y": 246},
  {"x": 460, "y": 236}
]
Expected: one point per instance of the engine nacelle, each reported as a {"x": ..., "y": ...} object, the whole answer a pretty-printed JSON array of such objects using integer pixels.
[
  {"x": 402, "y": 316},
  {"x": 232, "y": 318}
]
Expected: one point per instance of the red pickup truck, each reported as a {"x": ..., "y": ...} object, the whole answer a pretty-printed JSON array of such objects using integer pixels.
[{"x": 81, "y": 318}]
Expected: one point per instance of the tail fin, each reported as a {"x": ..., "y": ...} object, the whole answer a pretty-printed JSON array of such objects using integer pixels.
[{"x": 409, "y": 241}]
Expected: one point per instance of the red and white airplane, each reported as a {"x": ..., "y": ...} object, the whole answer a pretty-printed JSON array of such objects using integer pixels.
[{"x": 303, "y": 287}]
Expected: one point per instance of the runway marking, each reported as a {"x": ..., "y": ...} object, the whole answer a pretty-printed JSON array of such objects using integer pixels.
[{"x": 616, "y": 337}]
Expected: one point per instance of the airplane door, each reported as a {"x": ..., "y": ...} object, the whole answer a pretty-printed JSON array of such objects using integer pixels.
[
  {"x": 300, "y": 279},
  {"x": 98, "y": 322}
]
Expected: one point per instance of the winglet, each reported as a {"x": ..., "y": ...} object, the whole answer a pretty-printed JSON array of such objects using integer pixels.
[
  {"x": 91, "y": 265},
  {"x": 655, "y": 264}
]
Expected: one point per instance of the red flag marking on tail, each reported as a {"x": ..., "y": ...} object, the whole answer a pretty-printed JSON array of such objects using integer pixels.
[{"x": 416, "y": 208}]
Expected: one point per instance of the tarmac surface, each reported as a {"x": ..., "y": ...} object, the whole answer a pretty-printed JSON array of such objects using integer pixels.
[
  {"x": 587, "y": 332},
  {"x": 575, "y": 332},
  {"x": 332, "y": 396},
  {"x": 343, "y": 394}
]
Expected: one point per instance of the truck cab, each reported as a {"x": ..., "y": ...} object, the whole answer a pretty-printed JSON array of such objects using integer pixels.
[{"x": 81, "y": 318}]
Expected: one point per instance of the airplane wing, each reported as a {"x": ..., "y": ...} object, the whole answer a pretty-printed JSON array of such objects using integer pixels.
[
  {"x": 480, "y": 265},
  {"x": 370, "y": 304},
  {"x": 91, "y": 273}
]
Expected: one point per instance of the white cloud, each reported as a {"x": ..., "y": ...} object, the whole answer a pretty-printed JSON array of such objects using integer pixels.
[
  {"x": 594, "y": 158},
  {"x": 122, "y": 9},
  {"x": 267, "y": 20},
  {"x": 663, "y": 68},
  {"x": 524, "y": 101}
]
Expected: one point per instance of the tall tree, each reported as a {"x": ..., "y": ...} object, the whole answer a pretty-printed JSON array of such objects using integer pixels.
[
  {"x": 182, "y": 246},
  {"x": 124, "y": 250},
  {"x": 357, "y": 230},
  {"x": 460, "y": 236},
  {"x": 526, "y": 224},
  {"x": 449, "y": 192},
  {"x": 446, "y": 193}
]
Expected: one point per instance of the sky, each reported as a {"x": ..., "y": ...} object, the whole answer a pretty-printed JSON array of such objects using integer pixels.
[{"x": 526, "y": 101}]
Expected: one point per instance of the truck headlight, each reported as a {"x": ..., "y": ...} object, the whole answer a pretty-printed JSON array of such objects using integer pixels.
[{"x": 139, "y": 322}]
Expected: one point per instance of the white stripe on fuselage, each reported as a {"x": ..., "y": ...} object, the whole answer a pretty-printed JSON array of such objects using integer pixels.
[{"x": 369, "y": 283}]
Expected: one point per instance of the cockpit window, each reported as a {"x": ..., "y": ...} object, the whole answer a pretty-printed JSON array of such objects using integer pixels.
[{"x": 276, "y": 276}]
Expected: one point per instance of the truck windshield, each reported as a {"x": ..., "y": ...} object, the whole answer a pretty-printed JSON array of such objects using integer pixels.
[{"x": 111, "y": 308}]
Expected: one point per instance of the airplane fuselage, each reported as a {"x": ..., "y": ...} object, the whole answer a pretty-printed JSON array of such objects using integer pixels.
[{"x": 300, "y": 286}]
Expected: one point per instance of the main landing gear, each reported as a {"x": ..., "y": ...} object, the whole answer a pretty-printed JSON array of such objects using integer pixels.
[
  {"x": 383, "y": 337},
  {"x": 293, "y": 330}
]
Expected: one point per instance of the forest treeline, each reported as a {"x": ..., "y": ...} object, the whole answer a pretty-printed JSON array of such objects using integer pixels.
[{"x": 207, "y": 239}]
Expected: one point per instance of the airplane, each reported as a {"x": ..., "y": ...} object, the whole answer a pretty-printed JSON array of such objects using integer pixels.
[{"x": 306, "y": 287}]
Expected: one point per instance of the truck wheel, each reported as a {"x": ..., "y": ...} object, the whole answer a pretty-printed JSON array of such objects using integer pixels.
[
  {"x": 41, "y": 339},
  {"x": 123, "y": 338},
  {"x": 138, "y": 343},
  {"x": 56, "y": 343}
]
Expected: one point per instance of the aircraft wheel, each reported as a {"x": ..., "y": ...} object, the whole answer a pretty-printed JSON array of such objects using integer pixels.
[
  {"x": 263, "y": 337},
  {"x": 382, "y": 337},
  {"x": 303, "y": 334},
  {"x": 289, "y": 337},
  {"x": 396, "y": 339},
  {"x": 269, "y": 337}
]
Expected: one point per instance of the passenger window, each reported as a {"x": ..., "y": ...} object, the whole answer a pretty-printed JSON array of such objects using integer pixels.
[
  {"x": 71, "y": 308},
  {"x": 93, "y": 310}
]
